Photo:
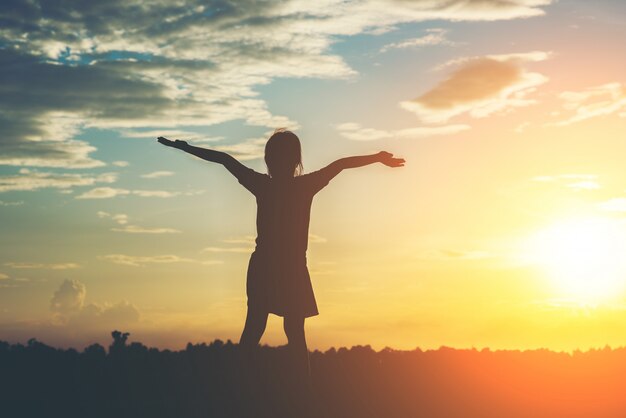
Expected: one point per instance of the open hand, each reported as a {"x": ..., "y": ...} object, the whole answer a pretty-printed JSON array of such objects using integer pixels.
[
  {"x": 176, "y": 144},
  {"x": 389, "y": 160}
]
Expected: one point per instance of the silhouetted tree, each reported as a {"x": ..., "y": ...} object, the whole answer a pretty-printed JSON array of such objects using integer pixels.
[{"x": 205, "y": 380}]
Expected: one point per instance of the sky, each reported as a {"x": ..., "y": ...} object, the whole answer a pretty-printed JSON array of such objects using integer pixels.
[{"x": 505, "y": 229}]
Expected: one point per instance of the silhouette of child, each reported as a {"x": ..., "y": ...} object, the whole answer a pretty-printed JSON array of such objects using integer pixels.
[{"x": 278, "y": 281}]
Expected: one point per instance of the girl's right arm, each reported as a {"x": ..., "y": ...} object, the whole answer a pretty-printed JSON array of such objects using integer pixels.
[{"x": 227, "y": 160}]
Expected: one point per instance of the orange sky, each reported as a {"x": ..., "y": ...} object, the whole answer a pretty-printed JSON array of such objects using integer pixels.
[{"x": 505, "y": 228}]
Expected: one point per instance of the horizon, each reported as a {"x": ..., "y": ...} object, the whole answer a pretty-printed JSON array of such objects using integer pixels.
[
  {"x": 505, "y": 229},
  {"x": 130, "y": 341}
]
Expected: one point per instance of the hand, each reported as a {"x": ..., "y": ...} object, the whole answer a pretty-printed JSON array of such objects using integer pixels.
[
  {"x": 176, "y": 144},
  {"x": 388, "y": 159}
]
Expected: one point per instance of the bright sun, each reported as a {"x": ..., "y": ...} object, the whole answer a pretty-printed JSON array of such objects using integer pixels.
[{"x": 584, "y": 257}]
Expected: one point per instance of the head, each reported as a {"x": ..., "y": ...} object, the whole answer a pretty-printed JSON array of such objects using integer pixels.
[{"x": 283, "y": 154}]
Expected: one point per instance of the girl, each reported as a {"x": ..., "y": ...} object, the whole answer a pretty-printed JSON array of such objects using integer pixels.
[{"x": 278, "y": 281}]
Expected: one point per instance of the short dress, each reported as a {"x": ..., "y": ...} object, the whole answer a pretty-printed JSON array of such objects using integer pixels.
[{"x": 278, "y": 279}]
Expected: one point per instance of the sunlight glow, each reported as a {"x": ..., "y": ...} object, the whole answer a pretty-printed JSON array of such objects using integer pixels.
[{"x": 583, "y": 257}]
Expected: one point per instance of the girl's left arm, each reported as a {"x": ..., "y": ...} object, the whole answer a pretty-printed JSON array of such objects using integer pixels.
[{"x": 382, "y": 157}]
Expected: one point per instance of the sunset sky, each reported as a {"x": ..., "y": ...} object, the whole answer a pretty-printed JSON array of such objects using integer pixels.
[{"x": 505, "y": 229}]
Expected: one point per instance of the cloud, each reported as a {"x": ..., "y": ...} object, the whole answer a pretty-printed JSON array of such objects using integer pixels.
[
  {"x": 594, "y": 102},
  {"x": 106, "y": 315},
  {"x": 69, "y": 308},
  {"x": 43, "y": 266},
  {"x": 479, "y": 87},
  {"x": 3, "y": 276},
  {"x": 249, "y": 244},
  {"x": 157, "y": 174},
  {"x": 155, "y": 193},
  {"x": 356, "y": 132},
  {"x": 247, "y": 250},
  {"x": 576, "y": 182},
  {"x": 122, "y": 219},
  {"x": 249, "y": 149},
  {"x": 113, "y": 65},
  {"x": 171, "y": 134},
  {"x": 120, "y": 163},
  {"x": 134, "y": 229},
  {"x": 617, "y": 204},
  {"x": 450, "y": 254},
  {"x": 69, "y": 297},
  {"x": 13, "y": 203},
  {"x": 316, "y": 239},
  {"x": 584, "y": 185},
  {"x": 434, "y": 37},
  {"x": 28, "y": 180},
  {"x": 103, "y": 193},
  {"x": 138, "y": 261},
  {"x": 109, "y": 192},
  {"x": 248, "y": 239}
]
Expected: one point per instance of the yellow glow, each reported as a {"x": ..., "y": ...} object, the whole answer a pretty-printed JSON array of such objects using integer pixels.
[{"x": 583, "y": 257}]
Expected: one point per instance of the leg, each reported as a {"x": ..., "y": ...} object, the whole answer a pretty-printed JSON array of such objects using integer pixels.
[
  {"x": 249, "y": 358},
  {"x": 253, "y": 330},
  {"x": 300, "y": 389},
  {"x": 294, "y": 329}
]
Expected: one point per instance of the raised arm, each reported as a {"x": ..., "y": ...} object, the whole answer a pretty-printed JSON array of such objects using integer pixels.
[
  {"x": 213, "y": 156},
  {"x": 382, "y": 157}
]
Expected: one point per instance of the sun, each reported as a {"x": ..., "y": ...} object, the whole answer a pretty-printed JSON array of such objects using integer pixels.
[{"x": 583, "y": 257}]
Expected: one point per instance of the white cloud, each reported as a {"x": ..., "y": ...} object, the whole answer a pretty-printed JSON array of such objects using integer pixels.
[
  {"x": 461, "y": 255},
  {"x": 120, "y": 163},
  {"x": 134, "y": 229},
  {"x": 138, "y": 261},
  {"x": 434, "y": 37},
  {"x": 69, "y": 308},
  {"x": 316, "y": 239},
  {"x": 11, "y": 203},
  {"x": 122, "y": 220},
  {"x": 28, "y": 180},
  {"x": 617, "y": 204},
  {"x": 109, "y": 192},
  {"x": 249, "y": 149},
  {"x": 155, "y": 193},
  {"x": 356, "y": 132},
  {"x": 246, "y": 244},
  {"x": 171, "y": 134},
  {"x": 69, "y": 297},
  {"x": 157, "y": 174},
  {"x": 169, "y": 65},
  {"x": 604, "y": 100},
  {"x": 43, "y": 266},
  {"x": 578, "y": 182},
  {"x": 584, "y": 185},
  {"x": 247, "y": 250},
  {"x": 479, "y": 87},
  {"x": 103, "y": 193},
  {"x": 248, "y": 239}
]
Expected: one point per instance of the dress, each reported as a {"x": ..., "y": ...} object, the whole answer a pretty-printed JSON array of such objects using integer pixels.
[{"x": 278, "y": 280}]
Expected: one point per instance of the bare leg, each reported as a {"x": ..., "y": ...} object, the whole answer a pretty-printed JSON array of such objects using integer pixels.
[
  {"x": 249, "y": 359},
  {"x": 294, "y": 329},
  {"x": 254, "y": 329}
]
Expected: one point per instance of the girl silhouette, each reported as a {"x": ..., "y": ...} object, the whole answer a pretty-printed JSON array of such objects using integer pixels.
[{"x": 278, "y": 281}]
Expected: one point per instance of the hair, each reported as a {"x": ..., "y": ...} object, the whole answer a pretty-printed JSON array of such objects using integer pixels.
[{"x": 283, "y": 153}]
